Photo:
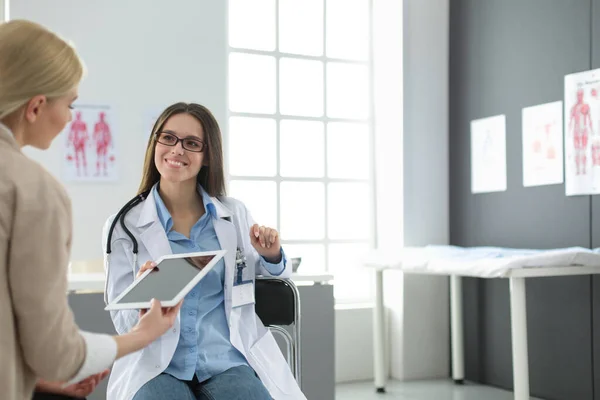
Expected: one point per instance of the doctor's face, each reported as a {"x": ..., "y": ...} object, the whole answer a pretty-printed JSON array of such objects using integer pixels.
[{"x": 180, "y": 148}]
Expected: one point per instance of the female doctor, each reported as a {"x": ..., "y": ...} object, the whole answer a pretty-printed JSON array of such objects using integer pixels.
[{"x": 218, "y": 347}]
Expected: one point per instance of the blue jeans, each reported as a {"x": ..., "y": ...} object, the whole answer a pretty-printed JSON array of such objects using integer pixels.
[{"x": 238, "y": 383}]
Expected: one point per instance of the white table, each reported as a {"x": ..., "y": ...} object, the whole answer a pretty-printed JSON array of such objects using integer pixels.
[{"x": 589, "y": 263}]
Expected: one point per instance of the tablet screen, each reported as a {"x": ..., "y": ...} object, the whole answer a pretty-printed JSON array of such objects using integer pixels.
[{"x": 172, "y": 276}]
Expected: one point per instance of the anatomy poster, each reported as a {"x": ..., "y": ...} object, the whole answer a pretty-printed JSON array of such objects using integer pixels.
[
  {"x": 543, "y": 144},
  {"x": 488, "y": 154},
  {"x": 89, "y": 145},
  {"x": 582, "y": 141}
]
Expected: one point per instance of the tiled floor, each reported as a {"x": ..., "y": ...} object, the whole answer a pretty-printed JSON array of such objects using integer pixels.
[{"x": 422, "y": 390}]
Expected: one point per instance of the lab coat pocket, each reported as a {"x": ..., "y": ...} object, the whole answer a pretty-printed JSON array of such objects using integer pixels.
[{"x": 270, "y": 365}]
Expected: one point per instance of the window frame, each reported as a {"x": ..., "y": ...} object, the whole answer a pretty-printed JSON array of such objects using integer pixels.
[{"x": 325, "y": 179}]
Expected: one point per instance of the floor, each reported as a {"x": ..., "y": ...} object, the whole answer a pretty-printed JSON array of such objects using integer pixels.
[{"x": 423, "y": 390}]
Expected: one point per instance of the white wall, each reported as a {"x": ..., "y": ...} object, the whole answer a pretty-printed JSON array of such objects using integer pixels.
[
  {"x": 426, "y": 63},
  {"x": 354, "y": 353},
  {"x": 139, "y": 56},
  {"x": 411, "y": 110},
  {"x": 424, "y": 341},
  {"x": 389, "y": 134},
  {"x": 3, "y": 5},
  {"x": 353, "y": 344}
]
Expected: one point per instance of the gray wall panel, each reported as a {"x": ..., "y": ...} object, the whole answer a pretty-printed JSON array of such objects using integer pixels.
[{"x": 506, "y": 55}]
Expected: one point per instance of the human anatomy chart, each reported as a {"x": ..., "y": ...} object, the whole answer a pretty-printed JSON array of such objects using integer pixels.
[
  {"x": 488, "y": 154},
  {"x": 543, "y": 144},
  {"x": 89, "y": 145},
  {"x": 581, "y": 133}
]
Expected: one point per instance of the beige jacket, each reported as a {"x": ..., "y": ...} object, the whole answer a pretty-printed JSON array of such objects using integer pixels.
[{"x": 38, "y": 335}]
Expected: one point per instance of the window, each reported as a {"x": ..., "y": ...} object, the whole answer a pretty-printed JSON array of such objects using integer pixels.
[{"x": 299, "y": 147}]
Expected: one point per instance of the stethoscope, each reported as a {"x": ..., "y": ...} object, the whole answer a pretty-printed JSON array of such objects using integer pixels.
[
  {"x": 240, "y": 259},
  {"x": 120, "y": 217}
]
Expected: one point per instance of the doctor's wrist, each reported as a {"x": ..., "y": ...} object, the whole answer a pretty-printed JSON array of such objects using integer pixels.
[{"x": 275, "y": 258}]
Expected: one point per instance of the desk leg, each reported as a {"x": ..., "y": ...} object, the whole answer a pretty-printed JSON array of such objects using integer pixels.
[
  {"x": 518, "y": 317},
  {"x": 456, "y": 329},
  {"x": 379, "y": 334}
]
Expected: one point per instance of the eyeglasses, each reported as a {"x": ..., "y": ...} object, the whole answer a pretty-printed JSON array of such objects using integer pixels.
[{"x": 189, "y": 144}]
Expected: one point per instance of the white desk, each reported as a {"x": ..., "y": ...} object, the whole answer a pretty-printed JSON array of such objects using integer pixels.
[
  {"x": 516, "y": 270},
  {"x": 89, "y": 282}
]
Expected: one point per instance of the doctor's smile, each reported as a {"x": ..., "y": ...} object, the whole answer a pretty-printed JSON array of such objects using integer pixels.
[{"x": 175, "y": 163}]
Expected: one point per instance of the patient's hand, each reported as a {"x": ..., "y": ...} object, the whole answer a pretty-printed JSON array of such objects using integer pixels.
[{"x": 80, "y": 389}]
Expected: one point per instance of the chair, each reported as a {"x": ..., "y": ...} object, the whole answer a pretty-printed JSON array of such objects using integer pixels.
[{"x": 278, "y": 305}]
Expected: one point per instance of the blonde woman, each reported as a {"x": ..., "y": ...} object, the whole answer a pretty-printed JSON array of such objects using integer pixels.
[{"x": 39, "y": 77}]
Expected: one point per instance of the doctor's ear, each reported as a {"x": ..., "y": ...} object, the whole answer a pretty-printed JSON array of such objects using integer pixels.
[{"x": 34, "y": 107}]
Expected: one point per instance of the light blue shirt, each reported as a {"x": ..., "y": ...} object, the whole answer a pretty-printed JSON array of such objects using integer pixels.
[{"x": 204, "y": 347}]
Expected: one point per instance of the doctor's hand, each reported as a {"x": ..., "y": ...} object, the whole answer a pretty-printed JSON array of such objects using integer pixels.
[
  {"x": 148, "y": 265},
  {"x": 266, "y": 242}
]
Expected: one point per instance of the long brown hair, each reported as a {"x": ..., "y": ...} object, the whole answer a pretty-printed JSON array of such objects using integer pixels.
[{"x": 211, "y": 176}]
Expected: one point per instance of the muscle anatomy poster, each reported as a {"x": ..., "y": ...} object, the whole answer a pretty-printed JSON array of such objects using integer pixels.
[
  {"x": 581, "y": 133},
  {"x": 89, "y": 145}
]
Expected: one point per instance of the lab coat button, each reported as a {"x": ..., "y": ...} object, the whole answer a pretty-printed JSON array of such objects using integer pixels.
[{"x": 158, "y": 366}]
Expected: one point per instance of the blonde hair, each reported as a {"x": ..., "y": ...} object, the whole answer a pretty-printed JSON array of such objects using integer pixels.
[{"x": 34, "y": 61}]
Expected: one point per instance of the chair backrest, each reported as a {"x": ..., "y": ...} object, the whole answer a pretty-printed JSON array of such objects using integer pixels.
[{"x": 275, "y": 302}]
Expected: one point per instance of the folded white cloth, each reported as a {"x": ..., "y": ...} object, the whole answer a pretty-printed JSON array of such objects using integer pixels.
[{"x": 485, "y": 262}]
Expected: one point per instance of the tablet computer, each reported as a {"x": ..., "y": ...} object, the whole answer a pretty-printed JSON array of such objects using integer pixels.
[{"x": 175, "y": 276}]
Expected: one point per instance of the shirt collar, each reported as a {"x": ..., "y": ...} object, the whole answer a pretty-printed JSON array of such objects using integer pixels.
[
  {"x": 5, "y": 128},
  {"x": 164, "y": 215},
  {"x": 7, "y": 135}
]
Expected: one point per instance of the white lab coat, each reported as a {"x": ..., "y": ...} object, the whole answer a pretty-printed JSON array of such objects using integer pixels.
[{"x": 247, "y": 333}]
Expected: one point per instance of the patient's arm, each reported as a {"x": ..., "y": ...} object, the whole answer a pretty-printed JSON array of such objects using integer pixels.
[{"x": 80, "y": 389}]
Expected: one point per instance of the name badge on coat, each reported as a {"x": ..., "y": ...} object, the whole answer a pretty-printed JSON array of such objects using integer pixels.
[{"x": 243, "y": 289}]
